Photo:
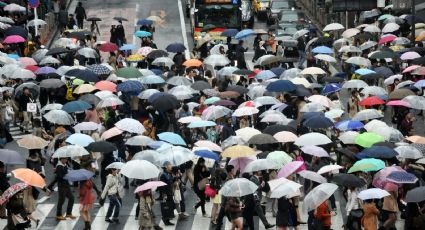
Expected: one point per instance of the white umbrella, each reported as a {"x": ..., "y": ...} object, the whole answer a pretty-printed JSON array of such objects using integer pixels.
[
  {"x": 49, "y": 107},
  {"x": 360, "y": 61},
  {"x": 70, "y": 151},
  {"x": 373, "y": 193},
  {"x": 140, "y": 169},
  {"x": 333, "y": 27},
  {"x": 115, "y": 165},
  {"x": 416, "y": 102},
  {"x": 104, "y": 94},
  {"x": 245, "y": 111},
  {"x": 88, "y": 52},
  {"x": 256, "y": 91},
  {"x": 139, "y": 141},
  {"x": 325, "y": 57},
  {"x": 312, "y": 139},
  {"x": 408, "y": 152},
  {"x": 279, "y": 118},
  {"x": 182, "y": 92},
  {"x": 354, "y": 84},
  {"x": 233, "y": 140},
  {"x": 130, "y": 125},
  {"x": 216, "y": 60},
  {"x": 313, "y": 176},
  {"x": 36, "y": 22},
  {"x": 7, "y": 20},
  {"x": 318, "y": 195},
  {"x": 372, "y": 29},
  {"x": 8, "y": 69},
  {"x": 109, "y": 102},
  {"x": 145, "y": 94},
  {"x": 367, "y": 114},
  {"x": 313, "y": 71},
  {"x": 176, "y": 155},
  {"x": 163, "y": 61},
  {"x": 22, "y": 74},
  {"x": 59, "y": 117},
  {"x": 238, "y": 187},
  {"x": 247, "y": 132},
  {"x": 290, "y": 74},
  {"x": 63, "y": 42},
  {"x": 259, "y": 165},
  {"x": 390, "y": 27},
  {"x": 367, "y": 45},
  {"x": 14, "y": 8},
  {"x": 409, "y": 55},
  {"x": 329, "y": 168},
  {"x": 350, "y": 33},
  {"x": 216, "y": 49},
  {"x": 148, "y": 155},
  {"x": 269, "y": 112},
  {"x": 348, "y": 137},
  {"x": 189, "y": 119},
  {"x": 374, "y": 90},
  {"x": 301, "y": 81},
  {"x": 49, "y": 60},
  {"x": 86, "y": 126},
  {"x": 287, "y": 188},
  {"x": 214, "y": 112},
  {"x": 374, "y": 125},
  {"x": 390, "y": 80},
  {"x": 266, "y": 100},
  {"x": 323, "y": 100},
  {"x": 312, "y": 107},
  {"x": 300, "y": 33},
  {"x": 334, "y": 113},
  {"x": 349, "y": 49}
]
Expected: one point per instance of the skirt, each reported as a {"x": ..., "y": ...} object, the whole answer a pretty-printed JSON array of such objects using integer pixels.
[
  {"x": 217, "y": 198},
  {"x": 85, "y": 207}
]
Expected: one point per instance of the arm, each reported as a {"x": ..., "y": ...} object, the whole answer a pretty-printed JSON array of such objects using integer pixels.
[
  {"x": 351, "y": 199},
  {"x": 107, "y": 185}
]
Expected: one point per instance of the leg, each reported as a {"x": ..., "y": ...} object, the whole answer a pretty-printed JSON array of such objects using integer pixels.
[
  {"x": 214, "y": 212},
  {"x": 61, "y": 200},
  {"x": 249, "y": 221},
  {"x": 117, "y": 208},
  {"x": 220, "y": 218},
  {"x": 70, "y": 197},
  {"x": 260, "y": 214},
  {"x": 110, "y": 208}
]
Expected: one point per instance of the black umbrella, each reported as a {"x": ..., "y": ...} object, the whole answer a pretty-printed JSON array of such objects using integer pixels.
[
  {"x": 157, "y": 54},
  {"x": 120, "y": 19},
  {"x": 85, "y": 75},
  {"x": 416, "y": 195},
  {"x": 419, "y": 50},
  {"x": 419, "y": 61},
  {"x": 90, "y": 98},
  {"x": 323, "y": 41},
  {"x": 273, "y": 129},
  {"x": 333, "y": 79},
  {"x": 52, "y": 75},
  {"x": 348, "y": 153},
  {"x": 94, "y": 19},
  {"x": 243, "y": 72},
  {"x": 382, "y": 55},
  {"x": 208, "y": 27},
  {"x": 371, "y": 76},
  {"x": 201, "y": 85},
  {"x": 348, "y": 180},
  {"x": 57, "y": 50},
  {"x": 365, "y": 36},
  {"x": 237, "y": 88},
  {"x": 78, "y": 35},
  {"x": 165, "y": 102},
  {"x": 101, "y": 146},
  {"x": 384, "y": 71},
  {"x": 16, "y": 30},
  {"x": 261, "y": 139},
  {"x": 386, "y": 144},
  {"x": 302, "y": 91}
]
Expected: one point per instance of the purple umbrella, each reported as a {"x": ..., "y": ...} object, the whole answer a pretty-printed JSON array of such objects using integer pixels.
[
  {"x": 224, "y": 103},
  {"x": 10, "y": 157},
  {"x": 78, "y": 175},
  {"x": 290, "y": 168},
  {"x": 315, "y": 151},
  {"x": 45, "y": 70},
  {"x": 241, "y": 162}
]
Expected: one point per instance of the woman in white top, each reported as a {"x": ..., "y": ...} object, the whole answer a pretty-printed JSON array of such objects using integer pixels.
[
  {"x": 114, "y": 190},
  {"x": 353, "y": 208}
]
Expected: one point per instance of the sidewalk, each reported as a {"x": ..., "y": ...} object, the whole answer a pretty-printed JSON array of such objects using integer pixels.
[{"x": 71, "y": 5}]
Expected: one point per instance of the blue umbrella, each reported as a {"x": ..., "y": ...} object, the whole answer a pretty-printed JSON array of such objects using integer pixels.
[
  {"x": 83, "y": 74},
  {"x": 171, "y": 138},
  {"x": 200, "y": 124},
  {"x": 322, "y": 50},
  {"x": 154, "y": 96},
  {"x": 402, "y": 177},
  {"x": 244, "y": 34},
  {"x": 78, "y": 175},
  {"x": 281, "y": 86},
  {"x": 309, "y": 115},
  {"x": 79, "y": 139},
  {"x": 265, "y": 75},
  {"x": 127, "y": 47},
  {"x": 382, "y": 152},
  {"x": 318, "y": 122},
  {"x": 142, "y": 33},
  {"x": 175, "y": 47},
  {"x": 278, "y": 70},
  {"x": 76, "y": 106},
  {"x": 152, "y": 79},
  {"x": 364, "y": 71},
  {"x": 420, "y": 84},
  {"x": 99, "y": 69},
  {"x": 14, "y": 56},
  {"x": 207, "y": 154},
  {"x": 144, "y": 22},
  {"x": 157, "y": 71},
  {"x": 45, "y": 70},
  {"x": 130, "y": 86},
  {"x": 331, "y": 88},
  {"x": 229, "y": 33},
  {"x": 349, "y": 125},
  {"x": 156, "y": 144}
]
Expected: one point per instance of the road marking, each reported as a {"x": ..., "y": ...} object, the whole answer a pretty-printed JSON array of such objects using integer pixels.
[
  {"x": 42, "y": 211},
  {"x": 99, "y": 221},
  {"x": 68, "y": 223},
  {"x": 131, "y": 223},
  {"x": 183, "y": 27},
  {"x": 199, "y": 221}
]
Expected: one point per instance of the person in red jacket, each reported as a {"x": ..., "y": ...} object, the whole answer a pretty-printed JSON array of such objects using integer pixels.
[{"x": 323, "y": 214}]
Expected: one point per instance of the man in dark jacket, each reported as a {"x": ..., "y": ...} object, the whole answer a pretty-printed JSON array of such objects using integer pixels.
[
  {"x": 256, "y": 178},
  {"x": 166, "y": 194},
  {"x": 64, "y": 190},
  {"x": 23, "y": 101},
  {"x": 80, "y": 14}
]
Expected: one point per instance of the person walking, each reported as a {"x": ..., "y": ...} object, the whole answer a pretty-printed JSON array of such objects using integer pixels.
[
  {"x": 146, "y": 217},
  {"x": 64, "y": 190},
  {"x": 201, "y": 174},
  {"x": 166, "y": 194},
  {"x": 114, "y": 189},
  {"x": 257, "y": 179},
  {"x": 23, "y": 101},
  {"x": 370, "y": 217},
  {"x": 80, "y": 14},
  {"x": 233, "y": 209},
  {"x": 323, "y": 216},
  {"x": 286, "y": 215},
  {"x": 215, "y": 184},
  {"x": 86, "y": 201}
]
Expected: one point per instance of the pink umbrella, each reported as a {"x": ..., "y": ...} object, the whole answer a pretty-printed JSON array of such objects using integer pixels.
[
  {"x": 112, "y": 132},
  {"x": 289, "y": 168},
  {"x": 380, "y": 178},
  {"x": 387, "y": 39},
  {"x": 145, "y": 50},
  {"x": 210, "y": 145},
  {"x": 27, "y": 61},
  {"x": 411, "y": 68},
  {"x": 106, "y": 85},
  {"x": 398, "y": 103},
  {"x": 285, "y": 136},
  {"x": 149, "y": 185},
  {"x": 315, "y": 151},
  {"x": 410, "y": 55},
  {"x": 13, "y": 39},
  {"x": 391, "y": 187},
  {"x": 241, "y": 162}
]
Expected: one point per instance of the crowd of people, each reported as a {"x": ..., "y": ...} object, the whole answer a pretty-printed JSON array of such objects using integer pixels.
[{"x": 276, "y": 138}]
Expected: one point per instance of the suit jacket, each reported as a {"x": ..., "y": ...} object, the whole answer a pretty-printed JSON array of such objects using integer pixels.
[{"x": 257, "y": 181}]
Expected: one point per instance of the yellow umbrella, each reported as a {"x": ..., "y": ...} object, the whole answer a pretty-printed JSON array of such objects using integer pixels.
[
  {"x": 32, "y": 142},
  {"x": 30, "y": 177},
  {"x": 84, "y": 88},
  {"x": 238, "y": 151},
  {"x": 154, "y": 18},
  {"x": 135, "y": 58}
]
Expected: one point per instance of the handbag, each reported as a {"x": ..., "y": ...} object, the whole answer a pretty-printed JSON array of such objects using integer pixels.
[
  {"x": 210, "y": 192},
  {"x": 32, "y": 107},
  {"x": 18, "y": 219},
  {"x": 202, "y": 183}
]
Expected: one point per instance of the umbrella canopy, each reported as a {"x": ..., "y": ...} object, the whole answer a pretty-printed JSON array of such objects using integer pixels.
[
  {"x": 259, "y": 165},
  {"x": 367, "y": 114},
  {"x": 140, "y": 169},
  {"x": 381, "y": 152},
  {"x": 79, "y": 139},
  {"x": 329, "y": 168},
  {"x": 402, "y": 177},
  {"x": 76, "y": 106},
  {"x": 11, "y": 157},
  {"x": 32, "y": 142},
  {"x": 315, "y": 151},
  {"x": 247, "y": 132},
  {"x": 289, "y": 168},
  {"x": 171, "y": 138},
  {"x": 149, "y": 185},
  {"x": 164, "y": 101},
  {"x": 205, "y": 153},
  {"x": 282, "y": 187},
  {"x": 11, "y": 191},
  {"x": 416, "y": 195},
  {"x": 237, "y": 151},
  {"x": 349, "y": 125},
  {"x": 312, "y": 139},
  {"x": 373, "y": 193},
  {"x": 78, "y": 175},
  {"x": 408, "y": 152},
  {"x": 285, "y": 136},
  {"x": 348, "y": 180},
  {"x": 29, "y": 177},
  {"x": 367, "y": 139},
  {"x": 260, "y": 139},
  {"x": 101, "y": 146},
  {"x": 313, "y": 176},
  {"x": 130, "y": 125},
  {"x": 238, "y": 187},
  {"x": 333, "y": 27},
  {"x": 139, "y": 141},
  {"x": 367, "y": 165},
  {"x": 318, "y": 195},
  {"x": 70, "y": 151}
]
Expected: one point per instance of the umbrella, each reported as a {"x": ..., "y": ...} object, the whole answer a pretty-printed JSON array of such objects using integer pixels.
[
  {"x": 32, "y": 142},
  {"x": 128, "y": 72},
  {"x": 78, "y": 175},
  {"x": 390, "y": 27},
  {"x": 329, "y": 168},
  {"x": 79, "y": 139},
  {"x": 290, "y": 168},
  {"x": 349, "y": 125},
  {"x": 318, "y": 122},
  {"x": 49, "y": 60},
  {"x": 349, "y": 33},
  {"x": 29, "y": 177},
  {"x": 281, "y": 86},
  {"x": 216, "y": 60},
  {"x": 318, "y": 195},
  {"x": 402, "y": 177},
  {"x": 333, "y": 27},
  {"x": 175, "y": 47},
  {"x": 140, "y": 169},
  {"x": 348, "y": 180},
  {"x": 52, "y": 106},
  {"x": 367, "y": 45},
  {"x": 237, "y": 151},
  {"x": 157, "y": 54},
  {"x": 360, "y": 61},
  {"x": 101, "y": 146},
  {"x": 76, "y": 106},
  {"x": 399, "y": 94},
  {"x": 11, "y": 191},
  {"x": 367, "y": 139},
  {"x": 244, "y": 34},
  {"x": 279, "y": 158},
  {"x": 201, "y": 124},
  {"x": 285, "y": 136},
  {"x": 51, "y": 83},
  {"x": 145, "y": 94},
  {"x": 149, "y": 185},
  {"x": 315, "y": 151},
  {"x": 415, "y": 195},
  {"x": 415, "y": 102},
  {"x": 259, "y": 165},
  {"x": 88, "y": 52},
  {"x": 99, "y": 69},
  {"x": 247, "y": 133},
  {"x": 260, "y": 139},
  {"x": 207, "y": 154},
  {"x": 245, "y": 111},
  {"x": 171, "y": 138},
  {"x": 139, "y": 141},
  {"x": 238, "y": 187},
  {"x": 241, "y": 162},
  {"x": 59, "y": 117},
  {"x": 70, "y": 151},
  {"x": 108, "y": 47},
  {"x": 130, "y": 125},
  {"x": 268, "y": 59},
  {"x": 214, "y": 112},
  {"x": 313, "y": 176},
  {"x": 325, "y": 57},
  {"x": 371, "y": 101},
  {"x": 13, "y": 39},
  {"x": 130, "y": 86},
  {"x": 265, "y": 75},
  {"x": 233, "y": 140},
  {"x": 115, "y": 165},
  {"x": 86, "y": 126},
  {"x": 176, "y": 155},
  {"x": 164, "y": 101},
  {"x": 11, "y": 157},
  {"x": 367, "y": 165},
  {"x": 349, "y": 49},
  {"x": 373, "y": 193},
  {"x": 367, "y": 114},
  {"x": 312, "y": 139},
  {"x": 85, "y": 75},
  {"x": 209, "y": 145},
  {"x": 377, "y": 152},
  {"x": 408, "y": 152},
  {"x": 151, "y": 79},
  {"x": 322, "y": 50},
  {"x": 90, "y": 99}
]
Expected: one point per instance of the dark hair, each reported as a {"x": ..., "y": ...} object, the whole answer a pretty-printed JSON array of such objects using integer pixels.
[{"x": 229, "y": 168}]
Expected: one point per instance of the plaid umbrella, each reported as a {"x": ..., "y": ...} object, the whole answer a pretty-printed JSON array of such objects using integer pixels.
[
  {"x": 11, "y": 191},
  {"x": 402, "y": 177},
  {"x": 99, "y": 69}
]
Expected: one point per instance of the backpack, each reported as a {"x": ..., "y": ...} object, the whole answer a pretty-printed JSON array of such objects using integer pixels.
[{"x": 69, "y": 90}]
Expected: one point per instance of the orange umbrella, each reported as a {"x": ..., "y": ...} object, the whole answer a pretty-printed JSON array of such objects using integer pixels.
[
  {"x": 106, "y": 85},
  {"x": 30, "y": 177},
  {"x": 416, "y": 139},
  {"x": 192, "y": 63}
]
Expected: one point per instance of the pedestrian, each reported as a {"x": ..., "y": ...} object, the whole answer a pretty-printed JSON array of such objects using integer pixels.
[
  {"x": 80, "y": 14},
  {"x": 258, "y": 180},
  {"x": 86, "y": 201},
  {"x": 64, "y": 190},
  {"x": 114, "y": 190},
  {"x": 16, "y": 214},
  {"x": 301, "y": 52},
  {"x": 286, "y": 216},
  {"x": 323, "y": 216},
  {"x": 146, "y": 217},
  {"x": 389, "y": 211},
  {"x": 30, "y": 203},
  {"x": 354, "y": 213},
  {"x": 215, "y": 184},
  {"x": 24, "y": 101},
  {"x": 370, "y": 217},
  {"x": 201, "y": 174},
  {"x": 233, "y": 209},
  {"x": 166, "y": 194},
  {"x": 178, "y": 194}
]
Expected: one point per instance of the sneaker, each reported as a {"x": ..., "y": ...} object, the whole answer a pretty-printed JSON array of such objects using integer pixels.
[
  {"x": 70, "y": 216},
  {"x": 168, "y": 223},
  {"x": 269, "y": 226},
  {"x": 109, "y": 220},
  {"x": 59, "y": 218}
]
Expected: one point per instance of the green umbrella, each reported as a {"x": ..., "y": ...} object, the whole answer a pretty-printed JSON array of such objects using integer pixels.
[
  {"x": 211, "y": 100},
  {"x": 367, "y": 139},
  {"x": 280, "y": 158},
  {"x": 367, "y": 165},
  {"x": 129, "y": 72}
]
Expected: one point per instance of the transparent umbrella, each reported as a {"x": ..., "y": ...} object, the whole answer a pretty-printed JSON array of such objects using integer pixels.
[
  {"x": 318, "y": 195},
  {"x": 238, "y": 187}
]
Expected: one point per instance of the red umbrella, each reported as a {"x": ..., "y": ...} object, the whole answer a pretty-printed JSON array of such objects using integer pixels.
[
  {"x": 32, "y": 68},
  {"x": 370, "y": 101},
  {"x": 108, "y": 47},
  {"x": 387, "y": 39}
]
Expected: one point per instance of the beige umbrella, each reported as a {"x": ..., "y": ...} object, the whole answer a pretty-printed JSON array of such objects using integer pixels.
[
  {"x": 350, "y": 33},
  {"x": 84, "y": 88},
  {"x": 333, "y": 27},
  {"x": 325, "y": 57},
  {"x": 313, "y": 71},
  {"x": 32, "y": 142}
]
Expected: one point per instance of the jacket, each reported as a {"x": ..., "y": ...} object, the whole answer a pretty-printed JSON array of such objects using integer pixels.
[
  {"x": 370, "y": 220},
  {"x": 113, "y": 186},
  {"x": 61, "y": 171},
  {"x": 146, "y": 219},
  {"x": 322, "y": 213}
]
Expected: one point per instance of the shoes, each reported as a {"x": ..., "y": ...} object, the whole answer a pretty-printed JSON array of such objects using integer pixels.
[
  {"x": 109, "y": 220},
  {"x": 183, "y": 216},
  {"x": 70, "y": 216},
  {"x": 168, "y": 223},
  {"x": 59, "y": 218},
  {"x": 3, "y": 217},
  {"x": 269, "y": 226},
  {"x": 117, "y": 221},
  {"x": 213, "y": 222},
  {"x": 21, "y": 128},
  {"x": 37, "y": 222},
  {"x": 204, "y": 215}
]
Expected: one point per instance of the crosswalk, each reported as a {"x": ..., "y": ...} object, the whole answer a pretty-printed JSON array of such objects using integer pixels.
[{"x": 16, "y": 133}]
